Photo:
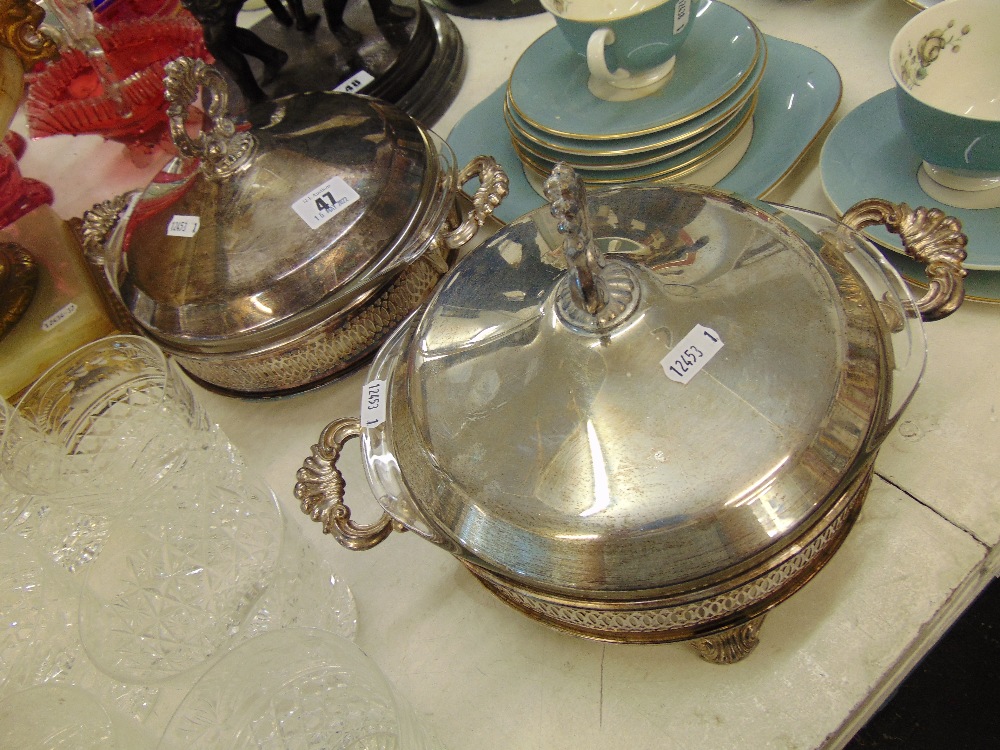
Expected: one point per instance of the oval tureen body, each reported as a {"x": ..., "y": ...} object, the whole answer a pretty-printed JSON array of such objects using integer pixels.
[{"x": 740, "y": 382}]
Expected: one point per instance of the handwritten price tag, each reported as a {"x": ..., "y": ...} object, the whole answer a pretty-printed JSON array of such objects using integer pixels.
[
  {"x": 373, "y": 403},
  {"x": 321, "y": 204},
  {"x": 183, "y": 226},
  {"x": 60, "y": 316},
  {"x": 356, "y": 82},
  {"x": 682, "y": 12},
  {"x": 693, "y": 352}
]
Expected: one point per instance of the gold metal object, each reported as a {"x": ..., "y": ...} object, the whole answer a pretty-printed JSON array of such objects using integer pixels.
[
  {"x": 19, "y": 22},
  {"x": 732, "y": 645},
  {"x": 18, "y": 281},
  {"x": 21, "y": 47},
  {"x": 930, "y": 237}
]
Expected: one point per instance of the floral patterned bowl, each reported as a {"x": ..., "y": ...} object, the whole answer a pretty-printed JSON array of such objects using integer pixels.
[{"x": 946, "y": 65}]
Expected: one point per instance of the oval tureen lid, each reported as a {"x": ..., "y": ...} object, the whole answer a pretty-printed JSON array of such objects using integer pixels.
[
  {"x": 680, "y": 405},
  {"x": 250, "y": 233}
]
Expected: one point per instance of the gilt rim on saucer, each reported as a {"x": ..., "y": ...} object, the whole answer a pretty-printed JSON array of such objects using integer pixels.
[
  {"x": 656, "y": 139},
  {"x": 719, "y": 55},
  {"x": 666, "y": 168},
  {"x": 607, "y": 162}
]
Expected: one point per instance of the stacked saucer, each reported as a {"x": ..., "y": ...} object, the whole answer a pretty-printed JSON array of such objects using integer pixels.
[{"x": 697, "y": 127}]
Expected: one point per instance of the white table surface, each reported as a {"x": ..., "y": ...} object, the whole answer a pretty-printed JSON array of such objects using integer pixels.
[{"x": 483, "y": 676}]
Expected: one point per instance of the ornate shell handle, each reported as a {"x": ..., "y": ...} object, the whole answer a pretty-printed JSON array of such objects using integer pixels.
[
  {"x": 98, "y": 223},
  {"x": 929, "y": 236},
  {"x": 320, "y": 491},
  {"x": 493, "y": 188},
  {"x": 220, "y": 148}
]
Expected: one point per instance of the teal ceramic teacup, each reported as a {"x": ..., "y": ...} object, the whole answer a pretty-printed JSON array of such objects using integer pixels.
[
  {"x": 630, "y": 45},
  {"x": 946, "y": 65}
]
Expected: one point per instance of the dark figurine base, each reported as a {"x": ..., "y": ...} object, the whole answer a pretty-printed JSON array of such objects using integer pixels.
[
  {"x": 415, "y": 59},
  {"x": 323, "y": 59},
  {"x": 490, "y": 9}
]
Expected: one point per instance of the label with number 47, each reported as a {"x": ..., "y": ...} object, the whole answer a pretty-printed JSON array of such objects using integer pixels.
[
  {"x": 321, "y": 204},
  {"x": 692, "y": 353}
]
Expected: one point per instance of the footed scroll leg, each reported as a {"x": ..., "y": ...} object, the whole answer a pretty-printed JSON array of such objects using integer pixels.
[{"x": 730, "y": 645}]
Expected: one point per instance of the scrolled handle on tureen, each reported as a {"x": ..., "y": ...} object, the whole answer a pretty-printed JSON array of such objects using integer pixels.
[
  {"x": 493, "y": 188},
  {"x": 220, "y": 148},
  {"x": 320, "y": 491},
  {"x": 98, "y": 223},
  {"x": 930, "y": 237}
]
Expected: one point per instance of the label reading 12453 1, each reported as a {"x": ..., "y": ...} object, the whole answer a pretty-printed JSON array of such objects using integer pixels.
[
  {"x": 321, "y": 204},
  {"x": 373, "y": 403},
  {"x": 692, "y": 353}
]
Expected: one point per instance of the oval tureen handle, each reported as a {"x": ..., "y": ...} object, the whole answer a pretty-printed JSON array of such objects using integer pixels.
[
  {"x": 493, "y": 188},
  {"x": 320, "y": 491},
  {"x": 930, "y": 237},
  {"x": 98, "y": 223}
]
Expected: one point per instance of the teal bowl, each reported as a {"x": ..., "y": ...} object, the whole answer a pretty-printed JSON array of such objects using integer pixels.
[{"x": 946, "y": 65}]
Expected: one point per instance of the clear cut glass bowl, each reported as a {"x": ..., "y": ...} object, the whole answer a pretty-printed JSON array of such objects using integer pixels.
[{"x": 295, "y": 688}]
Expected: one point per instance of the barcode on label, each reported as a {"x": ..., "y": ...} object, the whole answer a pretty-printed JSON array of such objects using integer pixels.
[
  {"x": 693, "y": 352},
  {"x": 373, "y": 403}
]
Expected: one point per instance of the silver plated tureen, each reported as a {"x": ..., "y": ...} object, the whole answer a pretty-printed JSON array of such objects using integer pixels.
[
  {"x": 650, "y": 414},
  {"x": 271, "y": 257}
]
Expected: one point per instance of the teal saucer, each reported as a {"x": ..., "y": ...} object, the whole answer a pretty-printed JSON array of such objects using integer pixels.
[
  {"x": 653, "y": 141},
  {"x": 867, "y": 155},
  {"x": 682, "y": 163},
  {"x": 548, "y": 86},
  {"x": 797, "y": 97},
  {"x": 612, "y": 161}
]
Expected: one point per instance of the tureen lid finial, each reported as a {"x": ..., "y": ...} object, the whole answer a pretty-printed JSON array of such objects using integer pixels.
[{"x": 601, "y": 294}]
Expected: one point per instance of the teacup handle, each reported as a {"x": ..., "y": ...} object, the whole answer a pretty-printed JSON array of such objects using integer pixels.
[{"x": 597, "y": 61}]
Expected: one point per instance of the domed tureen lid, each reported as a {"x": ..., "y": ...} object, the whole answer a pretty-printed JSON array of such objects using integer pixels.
[
  {"x": 703, "y": 381},
  {"x": 252, "y": 233}
]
